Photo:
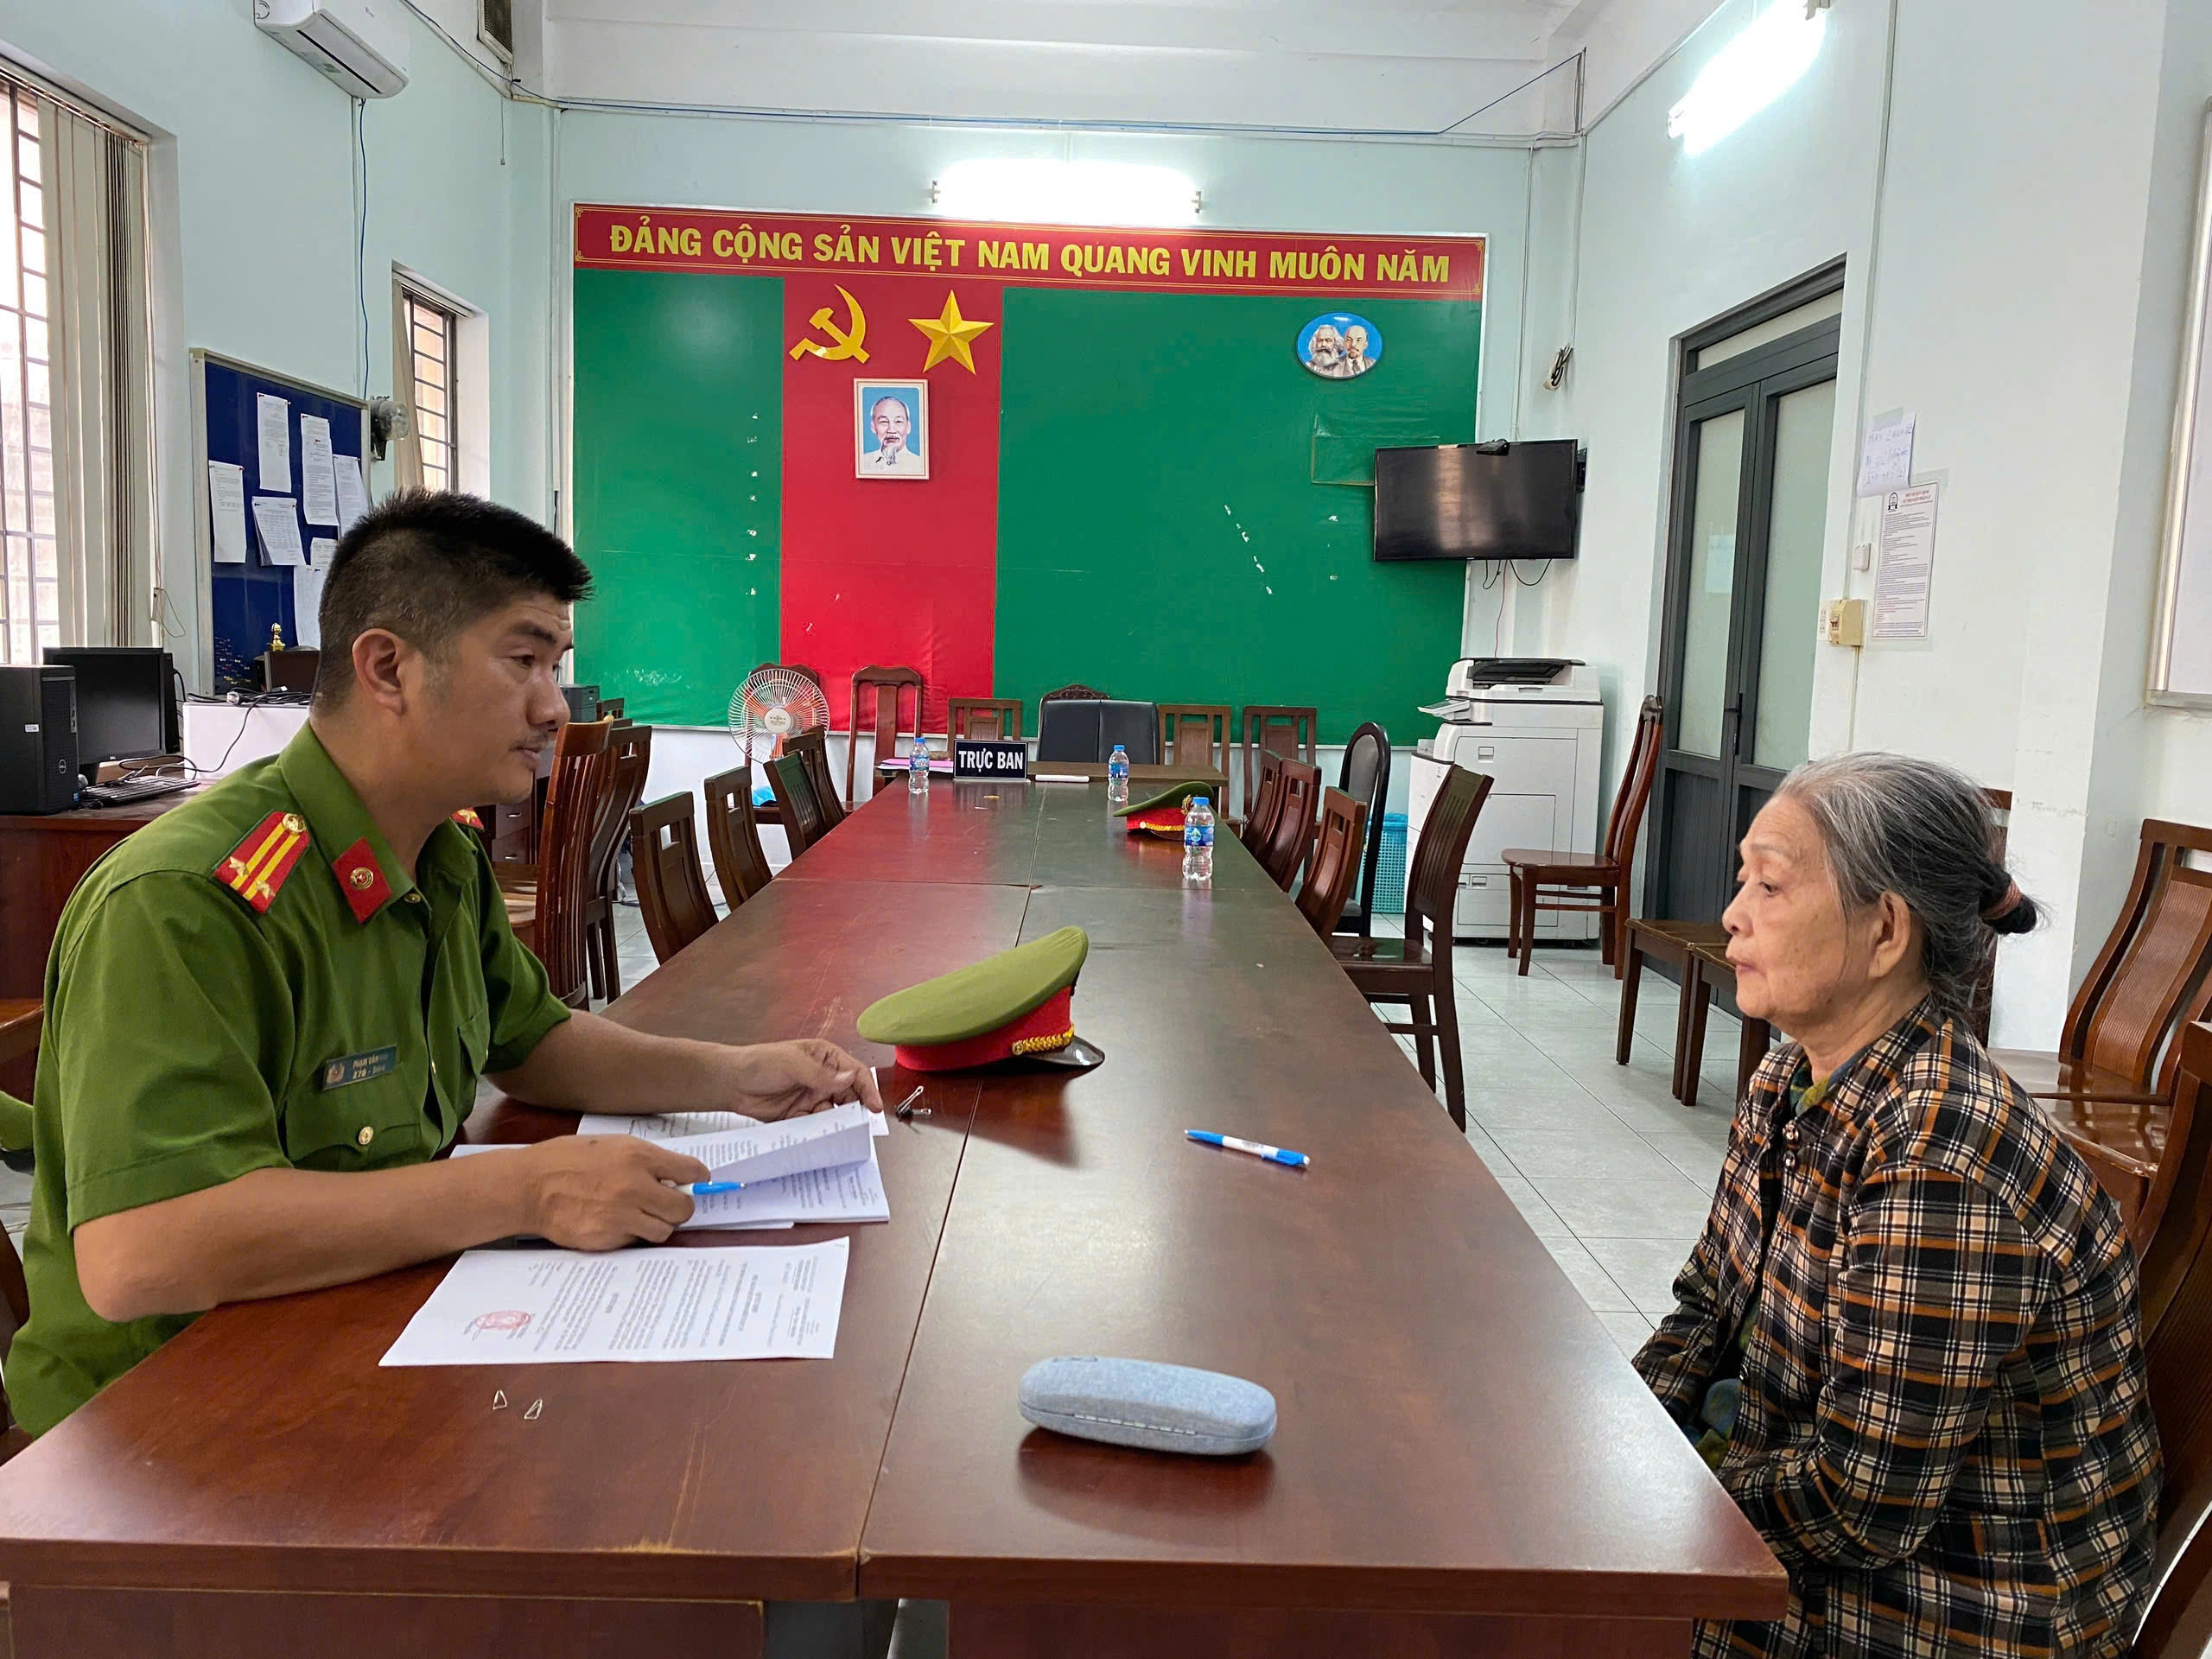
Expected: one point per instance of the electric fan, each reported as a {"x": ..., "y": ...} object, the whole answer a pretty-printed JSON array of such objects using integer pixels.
[{"x": 772, "y": 704}]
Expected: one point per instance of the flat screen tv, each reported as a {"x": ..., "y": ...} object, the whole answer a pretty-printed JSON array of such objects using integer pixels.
[{"x": 1478, "y": 501}]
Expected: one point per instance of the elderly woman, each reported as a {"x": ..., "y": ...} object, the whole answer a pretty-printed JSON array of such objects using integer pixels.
[{"x": 1907, "y": 1339}]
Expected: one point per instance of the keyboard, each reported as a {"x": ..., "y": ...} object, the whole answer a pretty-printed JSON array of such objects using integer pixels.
[{"x": 133, "y": 789}]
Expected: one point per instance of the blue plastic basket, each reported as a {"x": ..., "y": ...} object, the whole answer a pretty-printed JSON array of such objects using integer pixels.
[{"x": 1390, "y": 867}]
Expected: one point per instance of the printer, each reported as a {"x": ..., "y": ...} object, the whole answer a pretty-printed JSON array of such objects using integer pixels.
[{"x": 1536, "y": 726}]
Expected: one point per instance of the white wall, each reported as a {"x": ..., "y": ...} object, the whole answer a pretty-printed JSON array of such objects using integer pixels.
[{"x": 253, "y": 218}]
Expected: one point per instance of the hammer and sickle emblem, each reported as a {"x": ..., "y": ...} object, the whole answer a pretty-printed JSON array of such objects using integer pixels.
[{"x": 848, "y": 345}]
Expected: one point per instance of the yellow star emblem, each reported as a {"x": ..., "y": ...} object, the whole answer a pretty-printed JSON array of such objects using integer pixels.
[{"x": 949, "y": 334}]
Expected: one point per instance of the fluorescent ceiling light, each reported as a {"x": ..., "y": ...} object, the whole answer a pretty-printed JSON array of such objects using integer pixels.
[
  {"x": 1066, "y": 192},
  {"x": 1747, "y": 74}
]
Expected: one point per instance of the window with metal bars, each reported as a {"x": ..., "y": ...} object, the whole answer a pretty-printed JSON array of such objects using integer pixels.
[
  {"x": 31, "y": 602},
  {"x": 432, "y": 332}
]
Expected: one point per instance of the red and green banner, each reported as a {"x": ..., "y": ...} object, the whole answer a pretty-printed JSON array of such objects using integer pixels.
[{"x": 1010, "y": 456}]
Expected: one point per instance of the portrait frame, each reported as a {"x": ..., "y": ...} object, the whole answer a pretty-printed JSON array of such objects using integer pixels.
[
  {"x": 914, "y": 441},
  {"x": 1355, "y": 346}
]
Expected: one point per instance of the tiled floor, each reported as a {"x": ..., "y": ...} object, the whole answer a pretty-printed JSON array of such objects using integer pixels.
[{"x": 1614, "y": 1175}]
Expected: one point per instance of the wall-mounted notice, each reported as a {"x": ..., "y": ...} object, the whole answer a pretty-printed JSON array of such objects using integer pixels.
[
  {"x": 1885, "y": 461},
  {"x": 353, "y": 496},
  {"x": 307, "y": 591},
  {"x": 280, "y": 528},
  {"x": 1908, "y": 561},
  {"x": 274, "y": 418},
  {"x": 227, "y": 502},
  {"x": 318, "y": 484}
]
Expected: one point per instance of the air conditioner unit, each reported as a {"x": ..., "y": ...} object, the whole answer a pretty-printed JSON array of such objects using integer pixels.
[{"x": 361, "y": 45}]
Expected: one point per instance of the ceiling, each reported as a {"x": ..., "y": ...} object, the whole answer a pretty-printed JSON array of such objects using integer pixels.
[{"x": 1455, "y": 66}]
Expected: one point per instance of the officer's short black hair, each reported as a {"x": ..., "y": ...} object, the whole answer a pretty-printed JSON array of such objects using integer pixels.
[{"x": 426, "y": 565}]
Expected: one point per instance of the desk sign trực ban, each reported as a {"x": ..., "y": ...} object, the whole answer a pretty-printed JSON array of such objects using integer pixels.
[{"x": 988, "y": 758}]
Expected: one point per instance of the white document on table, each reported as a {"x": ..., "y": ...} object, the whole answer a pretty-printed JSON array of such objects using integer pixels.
[
  {"x": 274, "y": 419},
  {"x": 548, "y": 1307},
  {"x": 226, "y": 504},
  {"x": 307, "y": 593},
  {"x": 671, "y": 1126},
  {"x": 844, "y": 1192},
  {"x": 280, "y": 528},
  {"x": 318, "y": 480},
  {"x": 763, "y": 1152},
  {"x": 352, "y": 494},
  {"x": 758, "y": 1223}
]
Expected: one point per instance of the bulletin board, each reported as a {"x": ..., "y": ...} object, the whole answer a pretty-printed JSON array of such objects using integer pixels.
[
  {"x": 239, "y": 602},
  {"x": 1134, "y": 479}
]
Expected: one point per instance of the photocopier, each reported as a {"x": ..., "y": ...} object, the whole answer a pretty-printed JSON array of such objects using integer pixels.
[{"x": 1535, "y": 725}]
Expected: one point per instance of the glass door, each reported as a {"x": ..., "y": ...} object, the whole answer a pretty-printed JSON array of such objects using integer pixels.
[{"x": 1742, "y": 596}]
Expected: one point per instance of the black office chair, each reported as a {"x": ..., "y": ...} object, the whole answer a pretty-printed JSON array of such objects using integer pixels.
[
  {"x": 1088, "y": 729},
  {"x": 1366, "y": 777}
]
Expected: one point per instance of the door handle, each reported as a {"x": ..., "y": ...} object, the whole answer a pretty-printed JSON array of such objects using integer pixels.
[{"x": 1734, "y": 716}]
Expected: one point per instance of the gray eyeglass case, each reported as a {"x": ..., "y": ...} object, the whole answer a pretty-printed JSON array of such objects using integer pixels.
[{"x": 1142, "y": 1402}]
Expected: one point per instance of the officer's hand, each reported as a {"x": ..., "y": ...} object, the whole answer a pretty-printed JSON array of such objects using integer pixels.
[
  {"x": 790, "y": 1079},
  {"x": 602, "y": 1192}
]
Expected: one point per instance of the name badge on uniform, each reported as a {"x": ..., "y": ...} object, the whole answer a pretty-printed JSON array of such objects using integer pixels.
[{"x": 358, "y": 1068}]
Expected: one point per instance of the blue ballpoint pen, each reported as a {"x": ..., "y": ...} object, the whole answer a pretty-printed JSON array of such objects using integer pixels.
[
  {"x": 708, "y": 1189},
  {"x": 1273, "y": 1155}
]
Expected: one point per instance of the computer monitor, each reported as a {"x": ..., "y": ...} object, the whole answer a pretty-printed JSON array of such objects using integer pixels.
[{"x": 126, "y": 701}]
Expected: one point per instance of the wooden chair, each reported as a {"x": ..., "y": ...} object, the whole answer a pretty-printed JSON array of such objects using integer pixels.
[
  {"x": 1588, "y": 882},
  {"x": 1285, "y": 730},
  {"x": 889, "y": 685},
  {"x": 800, "y": 806},
  {"x": 22, "y": 1019},
  {"x": 1417, "y": 969},
  {"x": 1292, "y": 838},
  {"x": 2110, "y": 1082},
  {"x": 552, "y": 922},
  {"x": 671, "y": 888},
  {"x": 2177, "y": 1312},
  {"x": 632, "y": 746},
  {"x": 2174, "y": 1223},
  {"x": 812, "y": 748},
  {"x": 17, "y": 1295},
  {"x": 612, "y": 708},
  {"x": 1195, "y": 734},
  {"x": 1675, "y": 944},
  {"x": 1365, "y": 775},
  {"x": 733, "y": 836},
  {"x": 1260, "y": 822},
  {"x": 992, "y": 717},
  {"x": 1329, "y": 884},
  {"x": 1078, "y": 691}
]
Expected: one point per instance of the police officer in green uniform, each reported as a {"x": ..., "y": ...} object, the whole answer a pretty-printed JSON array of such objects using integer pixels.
[{"x": 268, "y": 1010}]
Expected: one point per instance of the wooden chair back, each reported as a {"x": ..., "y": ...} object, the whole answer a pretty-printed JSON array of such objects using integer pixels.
[
  {"x": 2175, "y": 1220},
  {"x": 671, "y": 888},
  {"x": 992, "y": 717},
  {"x": 1365, "y": 775},
  {"x": 733, "y": 836},
  {"x": 2151, "y": 974},
  {"x": 1195, "y": 734},
  {"x": 613, "y": 707},
  {"x": 1335, "y": 871},
  {"x": 1433, "y": 882},
  {"x": 881, "y": 693},
  {"x": 1292, "y": 838},
  {"x": 1286, "y": 730},
  {"x": 800, "y": 806},
  {"x": 1078, "y": 691},
  {"x": 634, "y": 760},
  {"x": 583, "y": 776},
  {"x": 1266, "y": 801},
  {"x": 1635, "y": 792},
  {"x": 812, "y": 748},
  {"x": 2178, "y": 1334}
]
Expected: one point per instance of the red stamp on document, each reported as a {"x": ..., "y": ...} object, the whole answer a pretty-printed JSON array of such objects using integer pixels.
[{"x": 506, "y": 1320}]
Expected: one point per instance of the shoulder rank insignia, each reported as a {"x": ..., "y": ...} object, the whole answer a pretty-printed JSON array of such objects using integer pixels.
[
  {"x": 256, "y": 866},
  {"x": 361, "y": 880},
  {"x": 467, "y": 818}
]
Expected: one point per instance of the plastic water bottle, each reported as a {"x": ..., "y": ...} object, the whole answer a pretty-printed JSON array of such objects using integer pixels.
[
  {"x": 918, "y": 766},
  {"x": 1117, "y": 777},
  {"x": 1197, "y": 840}
]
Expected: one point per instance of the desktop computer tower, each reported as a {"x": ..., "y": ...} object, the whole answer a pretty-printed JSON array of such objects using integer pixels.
[{"x": 38, "y": 738}]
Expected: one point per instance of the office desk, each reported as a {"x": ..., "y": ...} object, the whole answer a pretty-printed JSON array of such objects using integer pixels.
[
  {"x": 41, "y": 861},
  {"x": 1464, "y": 1462}
]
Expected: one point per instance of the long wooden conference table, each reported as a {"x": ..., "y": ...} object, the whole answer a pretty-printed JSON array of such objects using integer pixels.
[{"x": 1464, "y": 1463}]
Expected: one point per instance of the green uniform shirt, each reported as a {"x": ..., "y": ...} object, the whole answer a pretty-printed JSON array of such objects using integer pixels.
[{"x": 191, "y": 1039}]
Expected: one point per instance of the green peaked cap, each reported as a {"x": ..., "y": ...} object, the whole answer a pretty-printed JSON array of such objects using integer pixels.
[
  {"x": 971, "y": 1001},
  {"x": 1171, "y": 796}
]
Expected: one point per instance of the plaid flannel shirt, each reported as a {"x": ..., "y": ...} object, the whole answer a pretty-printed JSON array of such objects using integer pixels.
[{"x": 1944, "y": 1431}]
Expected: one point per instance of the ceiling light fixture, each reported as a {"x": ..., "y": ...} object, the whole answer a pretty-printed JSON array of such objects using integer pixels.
[
  {"x": 1066, "y": 192},
  {"x": 1747, "y": 74}
]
